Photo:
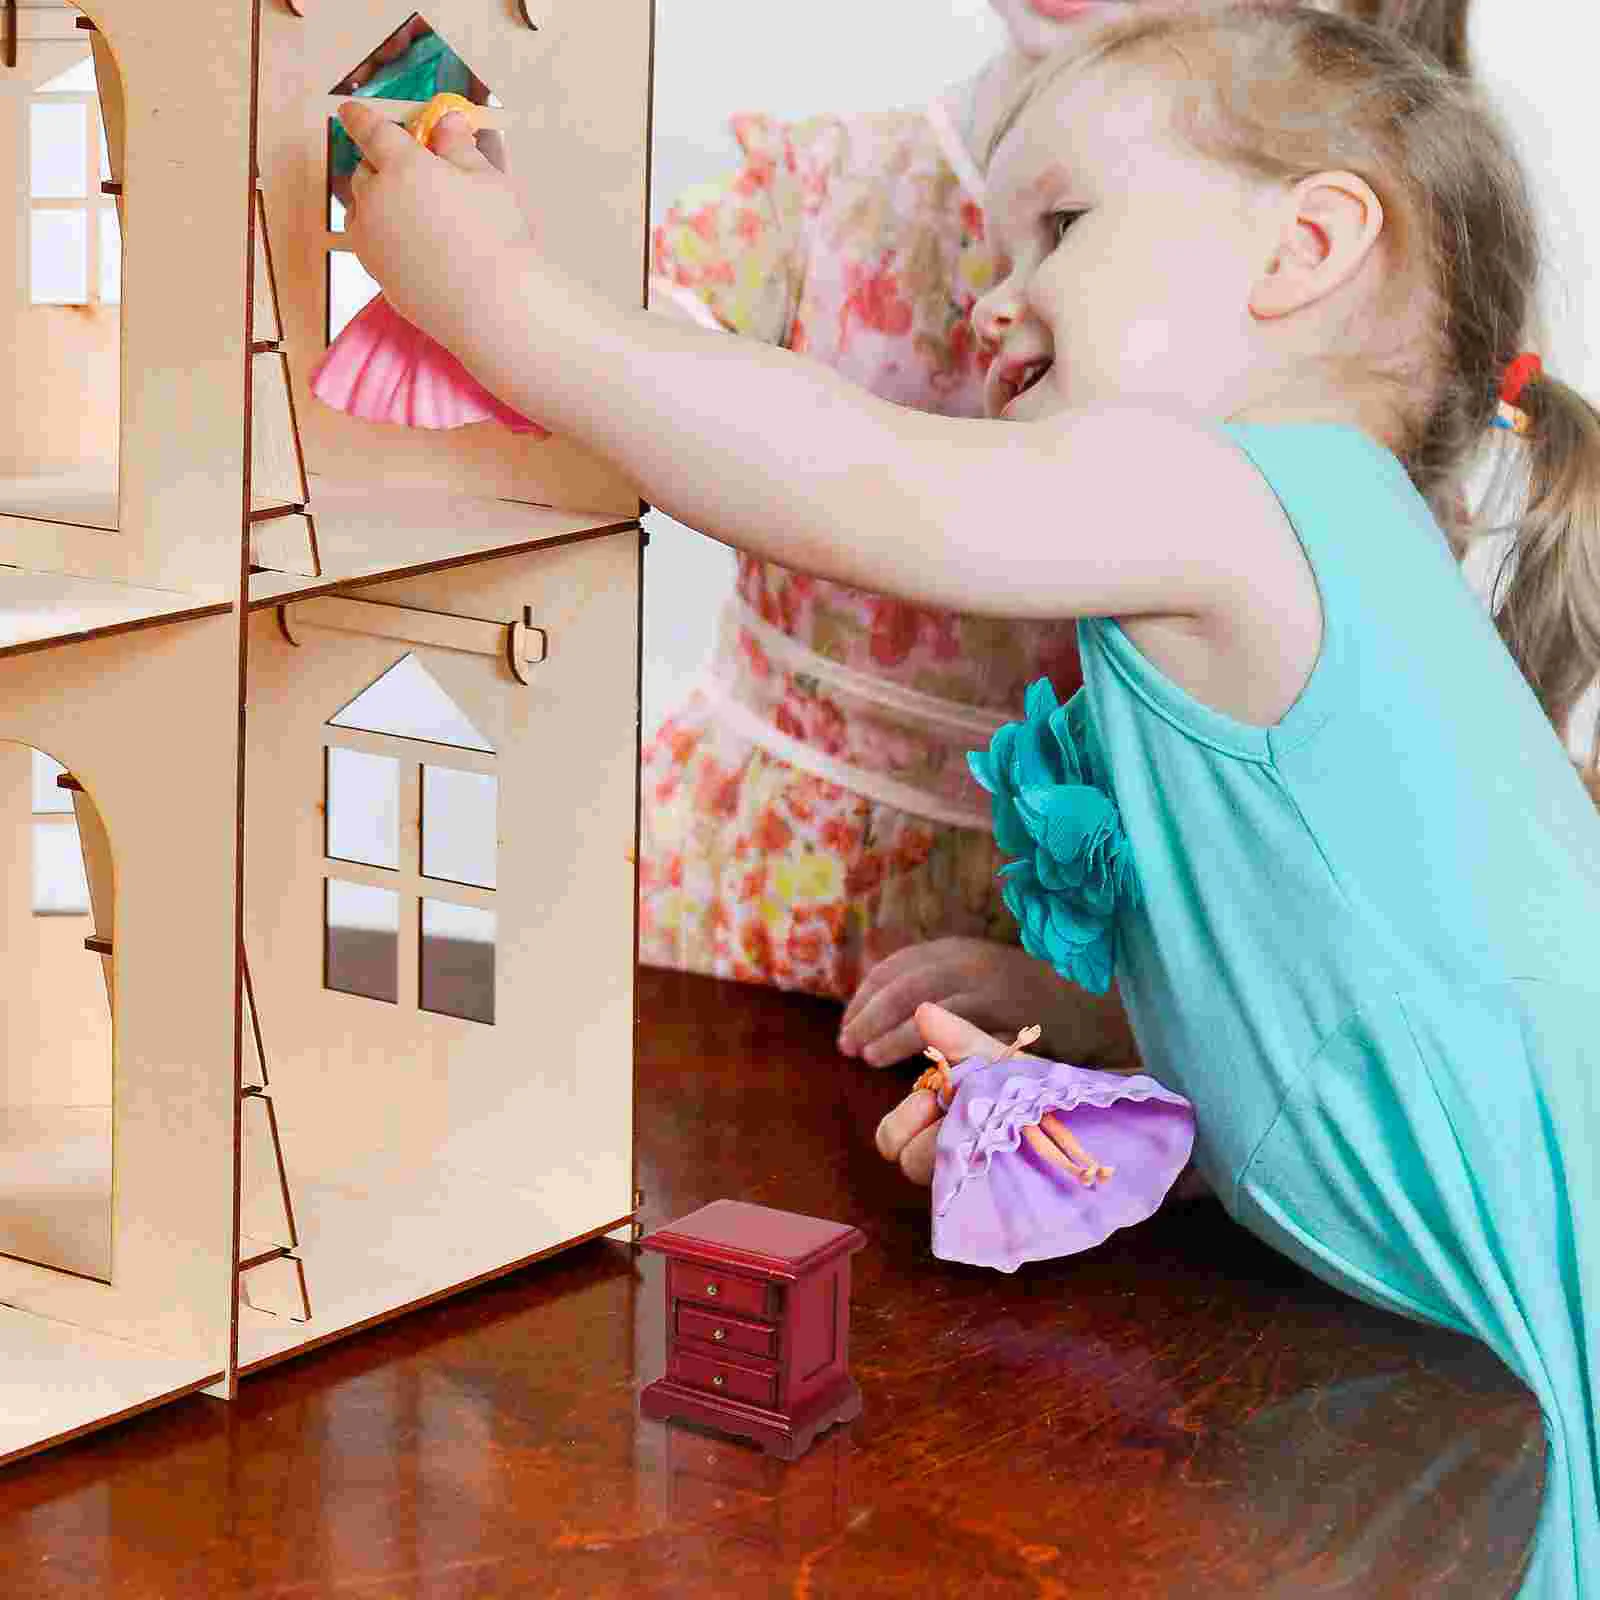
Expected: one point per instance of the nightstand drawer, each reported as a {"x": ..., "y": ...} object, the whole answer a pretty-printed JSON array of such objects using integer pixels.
[
  {"x": 747, "y": 1297},
  {"x": 724, "y": 1378},
  {"x": 732, "y": 1333}
]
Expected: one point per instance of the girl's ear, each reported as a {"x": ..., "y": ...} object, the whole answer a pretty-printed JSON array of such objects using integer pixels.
[{"x": 1329, "y": 224}]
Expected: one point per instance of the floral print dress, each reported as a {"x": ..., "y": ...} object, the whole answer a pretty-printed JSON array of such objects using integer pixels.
[{"x": 810, "y": 810}]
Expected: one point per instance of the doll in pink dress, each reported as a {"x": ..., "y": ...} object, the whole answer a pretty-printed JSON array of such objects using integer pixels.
[{"x": 382, "y": 369}]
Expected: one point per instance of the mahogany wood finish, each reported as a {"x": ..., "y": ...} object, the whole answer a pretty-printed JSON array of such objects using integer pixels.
[
  {"x": 1177, "y": 1414},
  {"x": 779, "y": 1379}
]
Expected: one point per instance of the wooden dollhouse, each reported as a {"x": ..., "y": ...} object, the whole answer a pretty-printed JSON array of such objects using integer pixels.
[{"x": 318, "y": 737}]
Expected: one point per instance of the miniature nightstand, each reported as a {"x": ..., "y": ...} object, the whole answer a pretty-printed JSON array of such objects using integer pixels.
[{"x": 758, "y": 1324}]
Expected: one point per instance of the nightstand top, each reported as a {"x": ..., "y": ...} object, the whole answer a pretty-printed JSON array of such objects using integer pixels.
[{"x": 776, "y": 1244}]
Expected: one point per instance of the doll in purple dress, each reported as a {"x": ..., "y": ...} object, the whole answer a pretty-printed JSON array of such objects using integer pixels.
[{"x": 1012, "y": 1182}]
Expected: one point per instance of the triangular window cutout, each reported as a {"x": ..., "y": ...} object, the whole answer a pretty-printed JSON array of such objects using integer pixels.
[
  {"x": 414, "y": 63},
  {"x": 408, "y": 703},
  {"x": 77, "y": 79}
]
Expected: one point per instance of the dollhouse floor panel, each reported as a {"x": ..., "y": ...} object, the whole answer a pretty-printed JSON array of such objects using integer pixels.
[
  {"x": 56, "y": 1379},
  {"x": 365, "y": 534},
  {"x": 376, "y": 1241},
  {"x": 38, "y": 609}
]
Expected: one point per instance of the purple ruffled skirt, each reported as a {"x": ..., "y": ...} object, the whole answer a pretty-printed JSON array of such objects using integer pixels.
[{"x": 997, "y": 1204}]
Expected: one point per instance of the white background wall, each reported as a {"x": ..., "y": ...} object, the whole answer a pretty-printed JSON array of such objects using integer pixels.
[{"x": 714, "y": 58}]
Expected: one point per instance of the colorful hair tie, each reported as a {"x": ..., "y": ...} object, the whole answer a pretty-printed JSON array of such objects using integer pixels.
[{"x": 1518, "y": 375}]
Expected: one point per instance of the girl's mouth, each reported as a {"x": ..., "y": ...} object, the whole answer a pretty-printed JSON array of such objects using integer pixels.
[
  {"x": 1065, "y": 10},
  {"x": 1025, "y": 378}
]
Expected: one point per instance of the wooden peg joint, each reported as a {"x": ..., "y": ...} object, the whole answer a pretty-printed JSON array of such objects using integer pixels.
[
  {"x": 280, "y": 1254},
  {"x": 273, "y": 513}
]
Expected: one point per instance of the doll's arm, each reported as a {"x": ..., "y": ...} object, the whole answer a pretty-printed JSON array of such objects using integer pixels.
[{"x": 936, "y": 1078}]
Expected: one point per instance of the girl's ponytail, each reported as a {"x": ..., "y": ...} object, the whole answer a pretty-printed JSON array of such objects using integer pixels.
[
  {"x": 1547, "y": 592},
  {"x": 1437, "y": 26}
]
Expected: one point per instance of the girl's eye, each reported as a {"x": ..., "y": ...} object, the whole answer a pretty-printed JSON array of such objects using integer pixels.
[{"x": 1058, "y": 223}]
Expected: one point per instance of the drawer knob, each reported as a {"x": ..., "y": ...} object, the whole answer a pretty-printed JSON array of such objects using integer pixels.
[
  {"x": 718, "y": 1381},
  {"x": 719, "y": 1334},
  {"x": 711, "y": 1291}
]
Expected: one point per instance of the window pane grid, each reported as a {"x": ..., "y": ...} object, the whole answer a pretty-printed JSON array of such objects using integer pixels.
[
  {"x": 75, "y": 255},
  {"x": 454, "y": 921}
]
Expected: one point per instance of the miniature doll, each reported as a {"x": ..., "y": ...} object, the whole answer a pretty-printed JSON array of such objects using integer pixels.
[
  {"x": 383, "y": 369},
  {"x": 998, "y": 1204}
]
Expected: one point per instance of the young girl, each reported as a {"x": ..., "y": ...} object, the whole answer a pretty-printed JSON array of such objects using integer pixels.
[
  {"x": 1306, "y": 808},
  {"x": 807, "y": 818}
]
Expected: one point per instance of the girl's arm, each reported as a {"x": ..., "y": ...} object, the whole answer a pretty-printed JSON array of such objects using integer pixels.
[
  {"x": 777, "y": 454},
  {"x": 1085, "y": 514}
]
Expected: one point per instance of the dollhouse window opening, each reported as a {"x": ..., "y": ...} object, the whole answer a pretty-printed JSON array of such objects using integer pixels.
[
  {"x": 60, "y": 885},
  {"x": 61, "y": 463},
  {"x": 403, "y": 747},
  {"x": 56, "y": 1145},
  {"x": 74, "y": 240},
  {"x": 409, "y": 66}
]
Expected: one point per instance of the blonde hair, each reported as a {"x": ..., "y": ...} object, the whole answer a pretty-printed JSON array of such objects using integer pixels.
[
  {"x": 1437, "y": 26},
  {"x": 1285, "y": 92}
]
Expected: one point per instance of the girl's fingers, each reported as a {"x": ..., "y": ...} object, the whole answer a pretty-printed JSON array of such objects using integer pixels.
[
  {"x": 886, "y": 1031},
  {"x": 880, "y": 974},
  {"x": 915, "y": 1114},
  {"x": 453, "y": 141},
  {"x": 904, "y": 1038},
  {"x": 897, "y": 1044},
  {"x": 892, "y": 1004},
  {"x": 918, "y": 1157},
  {"x": 379, "y": 140},
  {"x": 493, "y": 145},
  {"x": 953, "y": 1036},
  {"x": 880, "y": 1023}
]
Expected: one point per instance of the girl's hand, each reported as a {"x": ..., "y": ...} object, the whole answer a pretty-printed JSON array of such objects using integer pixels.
[
  {"x": 432, "y": 228},
  {"x": 997, "y": 986},
  {"x": 909, "y": 1134}
]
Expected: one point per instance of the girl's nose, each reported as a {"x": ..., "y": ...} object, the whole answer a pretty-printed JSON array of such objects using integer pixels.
[{"x": 995, "y": 313}]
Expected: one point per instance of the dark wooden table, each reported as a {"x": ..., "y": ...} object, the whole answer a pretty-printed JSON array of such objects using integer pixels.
[{"x": 1179, "y": 1413}]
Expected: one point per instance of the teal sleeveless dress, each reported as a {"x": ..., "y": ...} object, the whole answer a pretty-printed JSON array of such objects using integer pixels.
[{"x": 1365, "y": 943}]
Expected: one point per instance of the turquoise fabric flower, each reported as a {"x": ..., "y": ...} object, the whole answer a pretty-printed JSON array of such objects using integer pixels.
[{"x": 1073, "y": 867}]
